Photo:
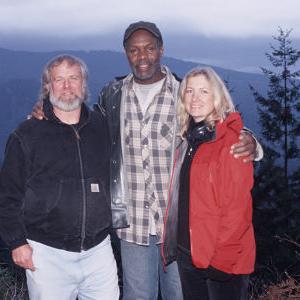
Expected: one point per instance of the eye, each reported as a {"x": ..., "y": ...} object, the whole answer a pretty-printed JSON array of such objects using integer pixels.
[
  {"x": 132, "y": 51},
  {"x": 150, "y": 49},
  {"x": 58, "y": 79},
  {"x": 188, "y": 91},
  {"x": 74, "y": 77}
]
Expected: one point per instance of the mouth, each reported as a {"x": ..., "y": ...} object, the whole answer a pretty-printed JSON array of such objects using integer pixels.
[
  {"x": 68, "y": 96},
  {"x": 143, "y": 66}
]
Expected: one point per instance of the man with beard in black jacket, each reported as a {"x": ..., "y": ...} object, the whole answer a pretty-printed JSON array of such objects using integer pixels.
[{"x": 55, "y": 213}]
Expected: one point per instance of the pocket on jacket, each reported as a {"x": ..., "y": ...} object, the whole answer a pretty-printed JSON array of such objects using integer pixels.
[
  {"x": 98, "y": 207},
  {"x": 64, "y": 212},
  {"x": 207, "y": 170},
  {"x": 204, "y": 179},
  {"x": 165, "y": 136},
  {"x": 39, "y": 200},
  {"x": 227, "y": 256}
]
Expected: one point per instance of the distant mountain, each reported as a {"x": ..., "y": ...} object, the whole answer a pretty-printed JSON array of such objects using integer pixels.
[
  {"x": 20, "y": 73},
  {"x": 244, "y": 54}
]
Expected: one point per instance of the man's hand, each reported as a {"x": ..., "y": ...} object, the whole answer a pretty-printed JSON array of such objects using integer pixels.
[
  {"x": 246, "y": 147},
  {"x": 22, "y": 256},
  {"x": 37, "y": 111}
]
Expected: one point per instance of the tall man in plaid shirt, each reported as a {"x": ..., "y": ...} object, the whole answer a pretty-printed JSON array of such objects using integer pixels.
[{"x": 141, "y": 114}]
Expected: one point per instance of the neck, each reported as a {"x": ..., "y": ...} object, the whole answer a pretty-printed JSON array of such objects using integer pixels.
[
  {"x": 197, "y": 120},
  {"x": 68, "y": 117},
  {"x": 156, "y": 77}
]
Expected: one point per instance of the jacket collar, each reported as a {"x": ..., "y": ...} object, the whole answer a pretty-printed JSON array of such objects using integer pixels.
[
  {"x": 232, "y": 123},
  {"x": 199, "y": 133}
]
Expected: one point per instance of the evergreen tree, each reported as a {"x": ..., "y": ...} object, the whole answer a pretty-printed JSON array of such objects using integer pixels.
[
  {"x": 279, "y": 111},
  {"x": 276, "y": 193}
]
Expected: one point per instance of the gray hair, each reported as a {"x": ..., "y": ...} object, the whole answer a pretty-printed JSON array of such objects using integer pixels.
[
  {"x": 223, "y": 103},
  {"x": 56, "y": 61}
]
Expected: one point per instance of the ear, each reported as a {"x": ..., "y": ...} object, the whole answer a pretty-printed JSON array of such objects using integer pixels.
[
  {"x": 47, "y": 87},
  {"x": 161, "y": 51}
]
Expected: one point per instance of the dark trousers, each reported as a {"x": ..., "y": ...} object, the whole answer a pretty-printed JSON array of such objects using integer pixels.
[{"x": 210, "y": 284}]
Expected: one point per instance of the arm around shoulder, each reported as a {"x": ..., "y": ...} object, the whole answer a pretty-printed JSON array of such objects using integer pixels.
[
  {"x": 259, "y": 151},
  {"x": 247, "y": 147}
]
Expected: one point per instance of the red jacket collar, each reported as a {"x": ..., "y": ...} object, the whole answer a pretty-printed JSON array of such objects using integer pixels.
[{"x": 233, "y": 122}]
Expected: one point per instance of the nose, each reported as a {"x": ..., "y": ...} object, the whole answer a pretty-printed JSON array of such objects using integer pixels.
[
  {"x": 197, "y": 95},
  {"x": 142, "y": 54},
  {"x": 66, "y": 83}
]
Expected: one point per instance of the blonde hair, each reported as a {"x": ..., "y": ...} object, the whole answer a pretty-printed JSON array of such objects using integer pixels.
[{"x": 222, "y": 100}]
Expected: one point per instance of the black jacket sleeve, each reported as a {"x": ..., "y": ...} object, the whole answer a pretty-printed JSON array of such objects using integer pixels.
[
  {"x": 12, "y": 189},
  {"x": 109, "y": 93},
  {"x": 102, "y": 100}
]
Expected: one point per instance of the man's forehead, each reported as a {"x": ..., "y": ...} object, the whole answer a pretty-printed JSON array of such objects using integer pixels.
[{"x": 65, "y": 65}]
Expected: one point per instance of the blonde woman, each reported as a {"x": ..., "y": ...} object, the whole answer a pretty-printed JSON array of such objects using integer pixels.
[{"x": 209, "y": 218}]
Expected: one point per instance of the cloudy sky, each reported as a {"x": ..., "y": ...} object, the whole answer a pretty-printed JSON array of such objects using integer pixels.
[
  {"x": 99, "y": 24},
  {"x": 234, "y": 18}
]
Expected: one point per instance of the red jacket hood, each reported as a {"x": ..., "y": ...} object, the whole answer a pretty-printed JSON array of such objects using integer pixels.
[{"x": 233, "y": 122}]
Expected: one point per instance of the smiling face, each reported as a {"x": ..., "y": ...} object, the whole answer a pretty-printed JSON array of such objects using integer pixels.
[
  {"x": 66, "y": 87},
  {"x": 198, "y": 98},
  {"x": 144, "y": 52}
]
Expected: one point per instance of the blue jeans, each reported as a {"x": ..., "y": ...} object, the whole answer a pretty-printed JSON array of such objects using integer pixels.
[
  {"x": 60, "y": 274},
  {"x": 143, "y": 273}
]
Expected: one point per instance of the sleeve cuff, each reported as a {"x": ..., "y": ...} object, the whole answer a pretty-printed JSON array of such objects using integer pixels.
[{"x": 15, "y": 244}]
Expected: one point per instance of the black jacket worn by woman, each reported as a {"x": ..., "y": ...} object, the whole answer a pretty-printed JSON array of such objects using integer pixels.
[{"x": 54, "y": 183}]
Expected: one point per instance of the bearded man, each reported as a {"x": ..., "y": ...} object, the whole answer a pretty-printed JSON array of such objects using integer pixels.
[{"x": 55, "y": 213}]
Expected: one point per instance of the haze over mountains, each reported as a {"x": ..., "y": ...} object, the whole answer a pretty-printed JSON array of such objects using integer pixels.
[
  {"x": 20, "y": 82},
  {"x": 240, "y": 53}
]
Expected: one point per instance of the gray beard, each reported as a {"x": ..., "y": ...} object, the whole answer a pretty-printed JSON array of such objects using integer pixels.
[{"x": 66, "y": 106}]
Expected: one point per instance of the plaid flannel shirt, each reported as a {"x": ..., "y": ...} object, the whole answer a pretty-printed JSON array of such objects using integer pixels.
[{"x": 148, "y": 143}]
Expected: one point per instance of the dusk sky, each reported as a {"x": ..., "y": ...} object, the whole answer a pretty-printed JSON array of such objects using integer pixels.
[
  {"x": 220, "y": 27},
  {"x": 231, "y": 18}
]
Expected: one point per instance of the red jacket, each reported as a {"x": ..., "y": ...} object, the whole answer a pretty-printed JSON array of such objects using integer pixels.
[{"x": 221, "y": 230}]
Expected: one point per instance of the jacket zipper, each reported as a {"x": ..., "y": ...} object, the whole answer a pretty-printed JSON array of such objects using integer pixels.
[{"x": 83, "y": 189}]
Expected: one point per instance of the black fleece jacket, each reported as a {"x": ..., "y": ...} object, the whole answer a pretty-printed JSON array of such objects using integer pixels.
[{"x": 54, "y": 183}]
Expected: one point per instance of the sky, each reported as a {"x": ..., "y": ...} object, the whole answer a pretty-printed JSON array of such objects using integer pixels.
[
  {"x": 233, "y": 18},
  {"x": 99, "y": 24}
]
